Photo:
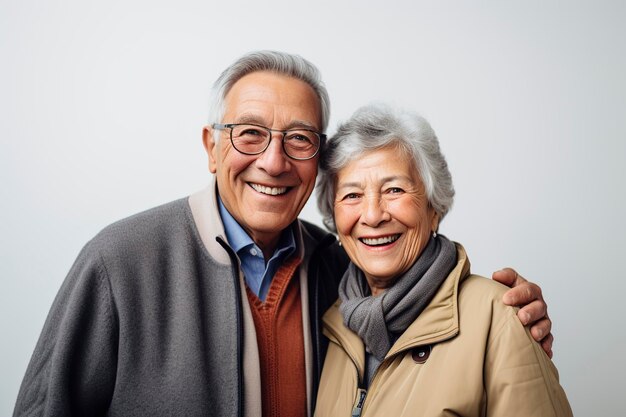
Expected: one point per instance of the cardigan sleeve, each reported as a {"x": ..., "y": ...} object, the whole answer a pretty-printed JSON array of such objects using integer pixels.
[
  {"x": 73, "y": 367},
  {"x": 520, "y": 379}
]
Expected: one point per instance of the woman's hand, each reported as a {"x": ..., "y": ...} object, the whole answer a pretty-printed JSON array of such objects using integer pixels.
[{"x": 533, "y": 309}]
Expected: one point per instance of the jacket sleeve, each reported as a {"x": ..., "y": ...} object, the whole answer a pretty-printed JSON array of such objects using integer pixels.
[
  {"x": 520, "y": 379},
  {"x": 72, "y": 370}
]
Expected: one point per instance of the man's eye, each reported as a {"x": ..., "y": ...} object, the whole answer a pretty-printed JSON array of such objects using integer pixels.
[
  {"x": 298, "y": 137},
  {"x": 251, "y": 132},
  {"x": 351, "y": 196}
]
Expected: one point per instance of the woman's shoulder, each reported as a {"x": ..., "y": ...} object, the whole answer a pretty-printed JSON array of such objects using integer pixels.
[
  {"x": 477, "y": 285},
  {"x": 479, "y": 294},
  {"x": 473, "y": 285}
]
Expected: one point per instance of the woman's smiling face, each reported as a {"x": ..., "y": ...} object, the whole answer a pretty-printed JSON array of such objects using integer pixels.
[{"x": 382, "y": 214}]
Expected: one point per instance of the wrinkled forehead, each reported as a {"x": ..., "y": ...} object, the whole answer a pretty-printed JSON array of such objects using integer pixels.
[
  {"x": 354, "y": 150},
  {"x": 376, "y": 165},
  {"x": 266, "y": 97}
]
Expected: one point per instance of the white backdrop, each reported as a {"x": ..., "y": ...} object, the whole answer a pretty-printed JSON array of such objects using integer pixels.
[{"x": 102, "y": 105}]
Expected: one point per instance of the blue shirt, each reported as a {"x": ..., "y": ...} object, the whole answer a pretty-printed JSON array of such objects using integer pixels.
[{"x": 257, "y": 274}]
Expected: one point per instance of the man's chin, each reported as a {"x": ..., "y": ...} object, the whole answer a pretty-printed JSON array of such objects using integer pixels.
[{"x": 270, "y": 222}]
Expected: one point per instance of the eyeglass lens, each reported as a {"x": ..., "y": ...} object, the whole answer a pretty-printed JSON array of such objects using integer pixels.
[{"x": 298, "y": 143}]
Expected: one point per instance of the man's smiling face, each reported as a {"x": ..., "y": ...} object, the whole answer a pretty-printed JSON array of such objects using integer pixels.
[{"x": 266, "y": 192}]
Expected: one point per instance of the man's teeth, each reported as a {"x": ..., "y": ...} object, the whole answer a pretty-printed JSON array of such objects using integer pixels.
[
  {"x": 380, "y": 240},
  {"x": 269, "y": 190}
]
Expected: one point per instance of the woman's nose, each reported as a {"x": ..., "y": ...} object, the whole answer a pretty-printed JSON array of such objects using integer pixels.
[{"x": 375, "y": 211}]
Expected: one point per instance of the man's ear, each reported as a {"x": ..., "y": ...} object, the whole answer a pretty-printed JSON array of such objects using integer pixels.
[{"x": 211, "y": 147}]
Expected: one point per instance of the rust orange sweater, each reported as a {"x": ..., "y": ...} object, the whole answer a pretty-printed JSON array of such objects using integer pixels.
[{"x": 278, "y": 323}]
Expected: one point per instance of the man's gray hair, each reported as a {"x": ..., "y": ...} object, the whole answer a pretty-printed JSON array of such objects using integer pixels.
[
  {"x": 375, "y": 127},
  {"x": 273, "y": 61}
]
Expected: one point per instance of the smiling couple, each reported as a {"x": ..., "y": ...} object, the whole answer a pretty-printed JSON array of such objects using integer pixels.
[{"x": 224, "y": 303}]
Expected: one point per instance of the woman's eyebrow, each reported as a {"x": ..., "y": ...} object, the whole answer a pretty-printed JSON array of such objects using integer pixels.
[
  {"x": 395, "y": 178},
  {"x": 383, "y": 180},
  {"x": 349, "y": 185}
]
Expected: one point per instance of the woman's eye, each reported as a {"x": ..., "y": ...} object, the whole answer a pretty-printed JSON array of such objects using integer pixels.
[
  {"x": 395, "y": 190},
  {"x": 351, "y": 196}
]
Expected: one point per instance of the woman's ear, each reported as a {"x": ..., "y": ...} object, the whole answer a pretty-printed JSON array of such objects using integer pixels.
[{"x": 434, "y": 223}]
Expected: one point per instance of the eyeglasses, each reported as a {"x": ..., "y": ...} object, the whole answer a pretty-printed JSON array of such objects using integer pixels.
[{"x": 300, "y": 144}]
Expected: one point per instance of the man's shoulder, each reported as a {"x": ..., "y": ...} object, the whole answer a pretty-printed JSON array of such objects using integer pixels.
[
  {"x": 320, "y": 239},
  {"x": 146, "y": 228},
  {"x": 324, "y": 247},
  {"x": 315, "y": 232}
]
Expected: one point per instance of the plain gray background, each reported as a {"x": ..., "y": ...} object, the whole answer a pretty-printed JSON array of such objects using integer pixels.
[{"x": 102, "y": 106}]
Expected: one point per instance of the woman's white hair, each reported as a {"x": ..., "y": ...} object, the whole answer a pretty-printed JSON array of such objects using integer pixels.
[
  {"x": 273, "y": 61},
  {"x": 378, "y": 126}
]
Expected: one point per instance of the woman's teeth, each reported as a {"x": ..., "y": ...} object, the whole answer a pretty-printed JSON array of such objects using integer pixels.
[{"x": 380, "y": 240}]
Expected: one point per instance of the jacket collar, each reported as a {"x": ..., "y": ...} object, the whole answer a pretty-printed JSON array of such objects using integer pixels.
[
  {"x": 206, "y": 215},
  {"x": 438, "y": 322}
]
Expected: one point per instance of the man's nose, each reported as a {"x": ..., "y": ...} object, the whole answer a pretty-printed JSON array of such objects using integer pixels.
[{"x": 274, "y": 161}]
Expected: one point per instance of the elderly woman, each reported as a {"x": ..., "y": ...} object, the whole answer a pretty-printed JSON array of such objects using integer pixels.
[{"x": 414, "y": 333}]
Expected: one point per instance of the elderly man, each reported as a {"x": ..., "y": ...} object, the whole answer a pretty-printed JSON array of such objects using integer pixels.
[{"x": 211, "y": 305}]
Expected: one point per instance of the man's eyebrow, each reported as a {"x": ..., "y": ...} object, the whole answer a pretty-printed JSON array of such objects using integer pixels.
[
  {"x": 300, "y": 124},
  {"x": 249, "y": 118},
  {"x": 256, "y": 120}
]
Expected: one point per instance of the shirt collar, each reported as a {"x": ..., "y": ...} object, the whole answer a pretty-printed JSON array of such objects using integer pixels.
[{"x": 239, "y": 239}]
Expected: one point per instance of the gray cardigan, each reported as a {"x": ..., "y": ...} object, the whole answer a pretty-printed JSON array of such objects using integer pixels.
[{"x": 148, "y": 322}]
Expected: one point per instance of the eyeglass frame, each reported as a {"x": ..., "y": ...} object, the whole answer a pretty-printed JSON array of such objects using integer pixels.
[{"x": 231, "y": 126}]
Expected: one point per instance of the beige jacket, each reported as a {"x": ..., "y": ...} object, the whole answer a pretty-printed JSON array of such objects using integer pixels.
[{"x": 467, "y": 354}]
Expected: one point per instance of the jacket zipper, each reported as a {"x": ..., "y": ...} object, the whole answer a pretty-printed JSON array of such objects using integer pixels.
[
  {"x": 359, "y": 404},
  {"x": 386, "y": 360},
  {"x": 360, "y": 399},
  {"x": 361, "y": 392}
]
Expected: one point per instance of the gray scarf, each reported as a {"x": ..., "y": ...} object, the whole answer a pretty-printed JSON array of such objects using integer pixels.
[{"x": 377, "y": 319}]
